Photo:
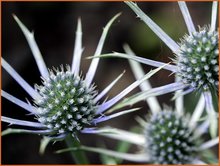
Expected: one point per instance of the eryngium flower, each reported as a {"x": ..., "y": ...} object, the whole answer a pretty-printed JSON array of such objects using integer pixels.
[
  {"x": 196, "y": 62},
  {"x": 169, "y": 139},
  {"x": 66, "y": 102},
  {"x": 170, "y": 136},
  {"x": 197, "y": 53}
]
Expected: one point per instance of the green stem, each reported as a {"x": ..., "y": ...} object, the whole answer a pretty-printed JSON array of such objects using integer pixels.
[{"x": 78, "y": 156}]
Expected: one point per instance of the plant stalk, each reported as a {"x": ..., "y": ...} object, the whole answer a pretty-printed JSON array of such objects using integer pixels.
[{"x": 78, "y": 156}]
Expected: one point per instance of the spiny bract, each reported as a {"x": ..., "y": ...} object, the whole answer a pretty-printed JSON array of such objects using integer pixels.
[
  {"x": 169, "y": 139},
  {"x": 66, "y": 103},
  {"x": 198, "y": 59}
]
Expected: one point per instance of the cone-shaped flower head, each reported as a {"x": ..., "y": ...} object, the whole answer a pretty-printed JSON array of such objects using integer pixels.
[
  {"x": 197, "y": 59},
  {"x": 169, "y": 139},
  {"x": 196, "y": 62},
  {"x": 66, "y": 102}
]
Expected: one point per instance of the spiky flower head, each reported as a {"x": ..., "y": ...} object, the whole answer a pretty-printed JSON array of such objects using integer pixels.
[
  {"x": 66, "y": 103},
  {"x": 196, "y": 65},
  {"x": 169, "y": 139},
  {"x": 198, "y": 59}
]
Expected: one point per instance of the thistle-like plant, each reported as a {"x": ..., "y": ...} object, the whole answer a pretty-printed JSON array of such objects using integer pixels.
[
  {"x": 196, "y": 63},
  {"x": 170, "y": 136},
  {"x": 65, "y": 103}
]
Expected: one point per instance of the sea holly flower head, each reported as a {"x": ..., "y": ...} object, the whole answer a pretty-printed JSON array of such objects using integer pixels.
[
  {"x": 196, "y": 54},
  {"x": 66, "y": 102},
  {"x": 174, "y": 138},
  {"x": 197, "y": 59},
  {"x": 196, "y": 62},
  {"x": 169, "y": 139}
]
